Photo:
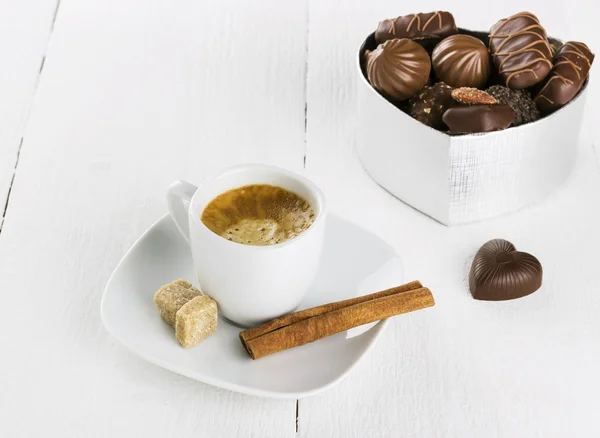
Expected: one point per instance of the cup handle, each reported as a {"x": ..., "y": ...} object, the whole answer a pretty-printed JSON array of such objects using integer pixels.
[{"x": 179, "y": 196}]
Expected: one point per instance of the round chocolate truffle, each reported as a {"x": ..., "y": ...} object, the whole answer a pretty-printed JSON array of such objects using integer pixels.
[
  {"x": 462, "y": 61},
  {"x": 398, "y": 68},
  {"x": 519, "y": 100}
]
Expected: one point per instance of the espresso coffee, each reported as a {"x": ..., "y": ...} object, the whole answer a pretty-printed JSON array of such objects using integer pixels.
[{"x": 258, "y": 214}]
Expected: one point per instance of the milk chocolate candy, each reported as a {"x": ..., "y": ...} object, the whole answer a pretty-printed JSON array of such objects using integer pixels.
[
  {"x": 499, "y": 272},
  {"x": 521, "y": 51},
  {"x": 398, "y": 68},
  {"x": 572, "y": 64},
  {"x": 478, "y": 118},
  {"x": 462, "y": 61},
  {"x": 424, "y": 26}
]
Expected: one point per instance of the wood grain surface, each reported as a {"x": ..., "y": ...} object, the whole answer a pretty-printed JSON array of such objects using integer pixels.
[
  {"x": 25, "y": 29},
  {"x": 133, "y": 96},
  {"x": 136, "y": 94}
]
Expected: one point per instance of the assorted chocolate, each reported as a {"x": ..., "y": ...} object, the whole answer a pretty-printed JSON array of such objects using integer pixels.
[
  {"x": 462, "y": 61},
  {"x": 571, "y": 66},
  {"x": 431, "y": 103},
  {"x": 478, "y": 118},
  {"x": 473, "y": 82},
  {"x": 521, "y": 51},
  {"x": 398, "y": 68},
  {"x": 519, "y": 100},
  {"x": 429, "y": 26},
  {"x": 499, "y": 272}
]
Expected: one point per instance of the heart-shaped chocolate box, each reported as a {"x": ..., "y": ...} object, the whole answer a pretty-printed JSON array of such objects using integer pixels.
[{"x": 467, "y": 178}]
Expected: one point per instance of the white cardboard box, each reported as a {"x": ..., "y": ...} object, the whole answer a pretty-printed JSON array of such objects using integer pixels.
[{"x": 460, "y": 179}]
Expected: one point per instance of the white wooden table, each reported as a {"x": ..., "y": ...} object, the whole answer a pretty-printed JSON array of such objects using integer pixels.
[{"x": 104, "y": 102}]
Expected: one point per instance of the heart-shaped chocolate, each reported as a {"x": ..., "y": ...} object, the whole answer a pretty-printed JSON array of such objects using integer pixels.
[{"x": 499, "y": 272}]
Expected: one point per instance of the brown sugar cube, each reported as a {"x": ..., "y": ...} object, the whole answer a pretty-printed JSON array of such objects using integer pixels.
[
  {"x": 196, "y": 320},
  {"x": 172, "y": 296}
]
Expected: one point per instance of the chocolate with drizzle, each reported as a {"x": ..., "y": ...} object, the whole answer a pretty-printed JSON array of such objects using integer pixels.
[
  {"x": 521, "y": 50},
  {"x": 572, "y": 64},
  {"x": 431, "y": 25}
]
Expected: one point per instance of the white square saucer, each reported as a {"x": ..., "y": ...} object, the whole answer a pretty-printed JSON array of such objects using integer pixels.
[{"x": 355, "y": 262}]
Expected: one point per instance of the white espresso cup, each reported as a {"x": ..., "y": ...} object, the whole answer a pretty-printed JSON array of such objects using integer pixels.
[{"x": 251, "y": 284}]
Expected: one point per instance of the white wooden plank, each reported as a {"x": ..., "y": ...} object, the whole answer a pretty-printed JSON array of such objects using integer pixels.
[
  {"x": 464, "y": 368},
  {"x": 25, "y": 27},
  {"x": 134, "y": 95}
]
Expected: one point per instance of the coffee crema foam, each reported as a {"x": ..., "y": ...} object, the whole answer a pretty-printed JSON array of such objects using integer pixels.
[{"x": 258, "y": 214}]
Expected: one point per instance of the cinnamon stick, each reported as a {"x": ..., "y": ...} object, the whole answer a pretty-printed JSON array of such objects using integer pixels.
[{"x": 309, "y": 325}]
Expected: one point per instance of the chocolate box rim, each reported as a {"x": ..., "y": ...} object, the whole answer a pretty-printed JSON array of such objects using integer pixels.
[{"x": 483, "y": 36}]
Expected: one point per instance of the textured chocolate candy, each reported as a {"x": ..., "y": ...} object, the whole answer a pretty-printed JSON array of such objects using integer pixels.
[
  {"x": 521, "y": 50},
  {"x": 478, "y": 118},
  {"x": 429, "y": 105},
  {"x": 462, "y": 61},
  {"x": 398, "y": 69},
  {"x": 572, "y": 64},
  {"x": 519, "y": 100},
  {"x": 431, "y": 25},
  {"x": 499, "y": 272}
]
